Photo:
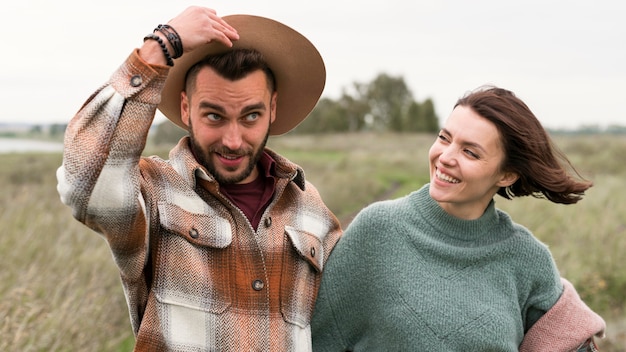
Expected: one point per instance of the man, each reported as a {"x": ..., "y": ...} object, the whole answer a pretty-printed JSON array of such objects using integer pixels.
[{"x": 222, "y": 246}]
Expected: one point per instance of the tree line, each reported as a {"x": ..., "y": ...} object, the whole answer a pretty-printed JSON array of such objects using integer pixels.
[{"x": 386, "y": 104}]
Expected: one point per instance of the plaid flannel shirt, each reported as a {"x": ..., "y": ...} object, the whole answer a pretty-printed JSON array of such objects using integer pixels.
[{"x": 196, "y": 275}]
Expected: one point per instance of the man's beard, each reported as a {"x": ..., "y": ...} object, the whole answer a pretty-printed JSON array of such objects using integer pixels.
[{"x": 204, "y": 158}]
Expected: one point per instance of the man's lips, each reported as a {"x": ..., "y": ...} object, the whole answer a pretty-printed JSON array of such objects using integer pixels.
[{"x": 229, "y": 158}]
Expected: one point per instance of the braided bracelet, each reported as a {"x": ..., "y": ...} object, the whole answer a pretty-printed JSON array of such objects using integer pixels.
[
  {"x": 173, "y": 37},
  {"x": 166, "y": 52}
]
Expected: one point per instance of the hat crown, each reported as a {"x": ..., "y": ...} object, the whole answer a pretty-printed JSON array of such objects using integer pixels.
[{"x": 297, "y": 66}]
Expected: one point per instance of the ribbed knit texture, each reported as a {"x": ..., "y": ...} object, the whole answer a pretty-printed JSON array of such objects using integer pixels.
[{"x": 408, "y": 276}]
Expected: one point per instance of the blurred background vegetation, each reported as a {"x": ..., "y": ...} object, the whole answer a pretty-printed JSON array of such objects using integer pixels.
[{"x": 60, "y": 290}]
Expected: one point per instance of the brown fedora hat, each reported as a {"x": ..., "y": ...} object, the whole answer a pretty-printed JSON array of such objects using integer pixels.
[{"x": 297, "y": 65}]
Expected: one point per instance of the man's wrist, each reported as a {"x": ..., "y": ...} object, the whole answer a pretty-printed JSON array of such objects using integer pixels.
[
  {"x": 174, "y": 40},
  {"x": 162, "y": 44},
  {"x": 152, "y": 53}
]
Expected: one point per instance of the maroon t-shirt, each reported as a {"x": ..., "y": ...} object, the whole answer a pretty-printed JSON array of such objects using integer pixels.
[{"x": 252, "y": 198}]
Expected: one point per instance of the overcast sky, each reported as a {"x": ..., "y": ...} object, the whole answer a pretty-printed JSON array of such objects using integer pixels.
[{"x": 565, "y": 58}]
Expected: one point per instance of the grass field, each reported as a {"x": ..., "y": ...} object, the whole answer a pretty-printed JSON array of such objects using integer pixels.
[{"x": 60, "y": 291}]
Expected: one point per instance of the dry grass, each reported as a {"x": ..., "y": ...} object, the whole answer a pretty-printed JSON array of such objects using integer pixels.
[
  {"x": 60, "y": 291},
  {"x": 59, "y": 287}
]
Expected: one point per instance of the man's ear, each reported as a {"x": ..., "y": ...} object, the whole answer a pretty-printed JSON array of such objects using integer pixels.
[
  {"x": 184, "y": 108},
  {"x": 273, "y": 102},
  {"x": 508, "y": 178}
]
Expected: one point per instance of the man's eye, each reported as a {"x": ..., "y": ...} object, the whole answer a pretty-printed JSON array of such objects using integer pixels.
[
  {"x": 252, "y": 116},
  {"x": 213, "y": 117}
]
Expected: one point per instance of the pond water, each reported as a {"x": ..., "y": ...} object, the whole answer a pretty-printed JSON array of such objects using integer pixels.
[{"x": 18, "y": 145}]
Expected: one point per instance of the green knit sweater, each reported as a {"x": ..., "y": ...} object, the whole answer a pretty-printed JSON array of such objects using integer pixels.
[{"x": 407, "y": 276}]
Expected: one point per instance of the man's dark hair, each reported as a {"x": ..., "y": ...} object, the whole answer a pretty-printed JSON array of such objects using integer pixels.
[{"x": 232, "y": 65}]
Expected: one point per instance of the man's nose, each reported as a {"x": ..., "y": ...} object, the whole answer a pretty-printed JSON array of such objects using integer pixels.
[{"x": 232, "y": 136}]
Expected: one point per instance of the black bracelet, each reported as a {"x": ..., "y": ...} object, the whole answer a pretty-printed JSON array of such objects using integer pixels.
[
  {"x": 166, "y": 52},
  {"x": 172, "y": 37}
]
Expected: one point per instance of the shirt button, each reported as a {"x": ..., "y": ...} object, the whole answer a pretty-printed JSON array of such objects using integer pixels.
[
  {"x": 136, "y": 81},
  {"x": 194, "y": 233},
  {"x": 268, "y": 221},
  {"x": 312, "y": 251},
  {"x": 257, "y": 285}
]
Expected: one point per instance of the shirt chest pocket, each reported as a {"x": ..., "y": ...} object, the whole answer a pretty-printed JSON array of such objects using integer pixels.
[
  {"x": 302, "y": 270},
  {"x": 193, "y": 268}
]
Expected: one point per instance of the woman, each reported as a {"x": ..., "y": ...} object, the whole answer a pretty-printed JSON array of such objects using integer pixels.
[{"x": 442, "y": 269}]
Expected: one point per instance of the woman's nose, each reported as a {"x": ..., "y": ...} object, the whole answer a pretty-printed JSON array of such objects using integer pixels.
[{"x": 447, "y": 156}]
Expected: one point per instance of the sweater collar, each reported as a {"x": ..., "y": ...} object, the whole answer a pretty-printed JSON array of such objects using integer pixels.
[{"x": 455, "y": 229}]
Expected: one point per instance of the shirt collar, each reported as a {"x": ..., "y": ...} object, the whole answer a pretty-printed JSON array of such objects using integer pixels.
[{"x": 186, "y": 165}]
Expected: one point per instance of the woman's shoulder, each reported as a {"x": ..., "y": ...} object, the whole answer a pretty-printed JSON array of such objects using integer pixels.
[
  {"x": 522, "y": 233},
  {"x": 383, "y": 211},
  {"x": 522, "y": 236}
]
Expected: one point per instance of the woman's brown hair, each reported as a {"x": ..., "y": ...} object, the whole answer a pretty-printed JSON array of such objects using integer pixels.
[{"x": 544, "y": 171}]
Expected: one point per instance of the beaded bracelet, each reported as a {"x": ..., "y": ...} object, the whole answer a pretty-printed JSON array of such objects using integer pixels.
[
  {"x": 173, "y": 37},
  {"x": 166, "y": 52}
]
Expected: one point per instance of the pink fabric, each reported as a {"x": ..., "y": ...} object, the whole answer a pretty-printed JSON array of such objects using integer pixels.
[{"x": 568, "y": 324}]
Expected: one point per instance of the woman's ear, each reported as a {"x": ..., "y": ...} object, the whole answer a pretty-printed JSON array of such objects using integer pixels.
[{"x": 508, "y": 178}]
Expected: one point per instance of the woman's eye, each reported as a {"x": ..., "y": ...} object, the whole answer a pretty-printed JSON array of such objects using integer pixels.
[
  {"x": 472, "y": 154},
  {"x": 444, "y": 139}
]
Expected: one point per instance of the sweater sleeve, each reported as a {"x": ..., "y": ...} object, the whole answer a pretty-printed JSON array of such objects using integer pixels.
[
  {"x": 337, "y": 320},
  {"x": 325, "y": 328},
  {"x": 99, "y": 178},
  {"x": 541, "y": 281},
  {"x": 331, "y": 324},
  {"x": 567, "y": 325}
]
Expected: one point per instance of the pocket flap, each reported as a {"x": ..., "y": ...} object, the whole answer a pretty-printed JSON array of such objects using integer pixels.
[
  {"x": 308, "y": 246},
  {"x": 209, "y": 230}
]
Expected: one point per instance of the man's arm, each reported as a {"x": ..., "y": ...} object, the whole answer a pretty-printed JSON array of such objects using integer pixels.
[{"x": 100, "y": 178}]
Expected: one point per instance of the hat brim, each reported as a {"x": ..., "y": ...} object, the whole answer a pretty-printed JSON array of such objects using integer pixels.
[{"x": 297, "y": 66}]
